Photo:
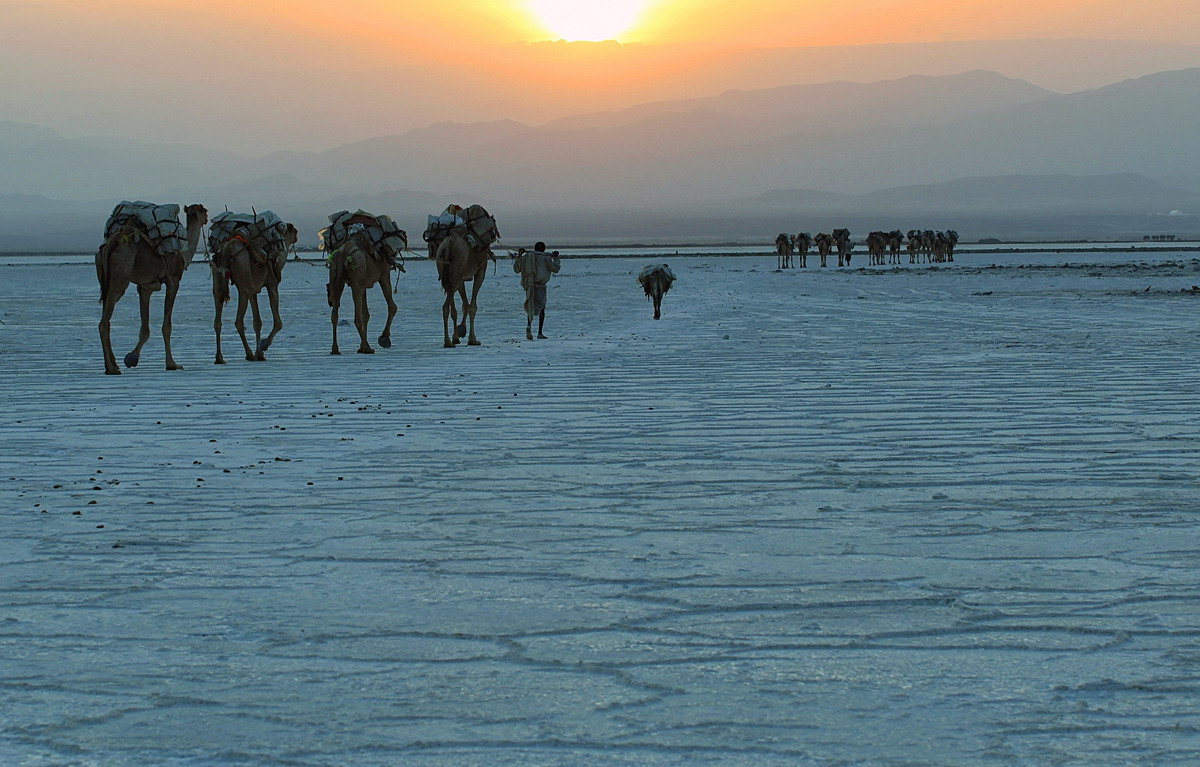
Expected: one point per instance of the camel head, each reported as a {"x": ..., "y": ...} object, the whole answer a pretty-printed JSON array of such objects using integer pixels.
[
  {"x": 291, "y": 235},
  {"x": 196, "y": 212}
]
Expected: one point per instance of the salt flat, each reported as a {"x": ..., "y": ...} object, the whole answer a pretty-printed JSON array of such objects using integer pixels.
[{"x": 923, "y": 516}]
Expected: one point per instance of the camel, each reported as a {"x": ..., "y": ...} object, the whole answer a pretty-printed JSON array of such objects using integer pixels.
[
  {"x": 824, "y": 243},
  {"x": 914, "y": 246},
  {"x": 129, "y": 255},
  {"x": 951, "y": 242},
  {"x": 802, "y": 242},
  {"x": 939, "y": 247},
  {"x": 459, "y": 261},
  {"x": 783, "y": 248},
  {"x": 928, "y": 240},
  {"x": 845, "y": 246},
  {"x": 895, "y": 239},
  {"x": 876, "y": 245},
  {"x": 656, "y": 281},
  {"x": 359, "y": 263},
  {"x": 251, "y": 270},
  {"x": 942, "y": 245}
]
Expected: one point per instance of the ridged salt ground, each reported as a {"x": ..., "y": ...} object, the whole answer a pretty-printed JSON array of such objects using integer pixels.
[{"x": 807, "y": 518}]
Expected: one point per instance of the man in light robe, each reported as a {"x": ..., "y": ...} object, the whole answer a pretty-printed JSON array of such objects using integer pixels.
[{"x": 535, "y": 268}]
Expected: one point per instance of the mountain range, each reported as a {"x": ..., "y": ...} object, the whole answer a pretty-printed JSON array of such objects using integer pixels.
[{"x": 973, "y": 143}]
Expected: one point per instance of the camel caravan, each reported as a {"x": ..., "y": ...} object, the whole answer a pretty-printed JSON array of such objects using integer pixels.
[
  {"x": 145, "y": 244},
  {"x": 923, "y": 247}
]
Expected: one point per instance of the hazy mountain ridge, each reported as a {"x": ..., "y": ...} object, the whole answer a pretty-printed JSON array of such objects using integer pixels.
[
  {"x": 839, "y": 103},
  {"x": 1147, "y": 126},
  {"x": 987, "y": 143},
  {"x": 979, "y": 124},
  {"x": 1016, "y": 193}
]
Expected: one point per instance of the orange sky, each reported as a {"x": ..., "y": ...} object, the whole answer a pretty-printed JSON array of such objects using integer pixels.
[
  {"x": 87, "y": 66},
  {"x": 401, "y": 28},
  {"x": 45, "y": 38}
]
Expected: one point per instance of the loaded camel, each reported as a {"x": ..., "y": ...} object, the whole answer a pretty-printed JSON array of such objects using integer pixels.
[
  {"x": 463, "y": 257},
  {"x": 130, "y": 255},
  {"x": 876, "y": 245},
  {"x": 656, "y": 281},
  {"x": 783, "y": 249},
  {"x": 361, "y": 264},
  {"x": 802, "y": 242},
  {"x": 845, "y": 246},
  {"x": 895, "y": 240},
  {"x": 251, "y": 269},
  {"x": 824, "y": 244}
]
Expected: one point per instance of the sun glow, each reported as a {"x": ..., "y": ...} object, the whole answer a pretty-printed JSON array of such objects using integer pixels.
[{"x": 588, "y": 19}]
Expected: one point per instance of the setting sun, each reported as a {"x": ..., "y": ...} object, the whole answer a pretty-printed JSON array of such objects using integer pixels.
[{"x": 588, "y": 19}]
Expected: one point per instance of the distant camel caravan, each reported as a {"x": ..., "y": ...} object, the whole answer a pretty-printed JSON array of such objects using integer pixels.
[
  {"x": 249, "y": 250},
  {"x": 923, "y": 247},
  {"x": 656, "y": 280},
  {"x": 144, "y": 244}
]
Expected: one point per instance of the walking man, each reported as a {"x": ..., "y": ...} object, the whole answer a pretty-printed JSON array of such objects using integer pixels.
[{"x": 535, "y": 269}]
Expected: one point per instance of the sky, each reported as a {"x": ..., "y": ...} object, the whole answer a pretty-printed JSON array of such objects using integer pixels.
[{"x": 309, "y": 74}]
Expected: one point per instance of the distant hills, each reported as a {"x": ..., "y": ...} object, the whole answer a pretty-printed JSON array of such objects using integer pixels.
[
  {"x": 1115, "y": 193},
  {"x": 975, "y": 143}
]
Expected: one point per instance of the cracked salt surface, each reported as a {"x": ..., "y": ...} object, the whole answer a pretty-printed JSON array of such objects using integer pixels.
[{"x": 807, "y": 518}]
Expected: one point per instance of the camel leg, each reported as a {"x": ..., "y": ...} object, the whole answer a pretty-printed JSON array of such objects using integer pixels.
[
  {"x": 447, "y": 310},
  {"x": 385, "y": 338},
  {"x": 334, "y": 289},
  {"x": 258, "y": 344},
  {"x": 362, "y": 314},
  {"x": 460, "y": 330},
  {"x": 168, "y": 310},
  {"x": 240, "y": 323},
  {"x": 134, "y": 357},
  {"x": 277, "y": 321},
  {"x": 220, "y": 308},
  {"x": 470, "y": 312},
  {"x": 106, "y": 312},
  {"x": 657, "y": 303}
]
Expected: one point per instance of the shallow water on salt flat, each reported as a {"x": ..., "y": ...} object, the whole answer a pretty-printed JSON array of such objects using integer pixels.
[{"x": 917, "y": 516}]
